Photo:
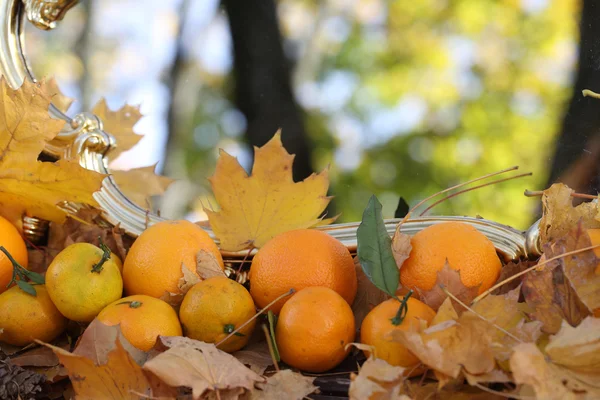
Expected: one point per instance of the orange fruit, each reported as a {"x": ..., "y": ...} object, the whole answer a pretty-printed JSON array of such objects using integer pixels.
[
  {"x": 11, "y": 240},
  {"x": 142, "y": 319},
  {"x": 299, "y": 259},
  {"x": 24, "y": 317},
  {"x": 377, "y": 327},
  {"x": 465, "y": 248},
  {"x": 153, "y": 265},
  {"x": 80, "y": 284},
  {"x": 313, "y": 329},
  {"x": 214, "y": 308},
  {"x": 595, "y": 238}
]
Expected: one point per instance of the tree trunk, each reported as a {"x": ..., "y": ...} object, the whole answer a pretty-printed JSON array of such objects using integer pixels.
[
  {"x": 262, "y": 80},
  {"x": 576, "y": 160}
]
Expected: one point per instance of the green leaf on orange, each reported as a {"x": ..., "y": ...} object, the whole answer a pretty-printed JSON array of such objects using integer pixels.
[{"x": 374, "y": 249}]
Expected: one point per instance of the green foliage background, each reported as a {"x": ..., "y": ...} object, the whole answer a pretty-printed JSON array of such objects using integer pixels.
[{"x": 496, "y": 104}]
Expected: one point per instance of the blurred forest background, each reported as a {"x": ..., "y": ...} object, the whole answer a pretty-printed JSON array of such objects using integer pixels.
[{"x": 402, "y": 98}]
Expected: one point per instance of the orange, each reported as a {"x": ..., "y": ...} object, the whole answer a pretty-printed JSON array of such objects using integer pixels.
[
  {"x": 214, "y": 308},
  {"x": 299, "y": 259},
  {"x": 11, "y": 240},
  {"x": 377, "y": 328},
  {"x": 24, "y": 317},
  {"x": 81, "y": 281},
  {"x": 143, "y": 319},
  {"x": 595, "y": 238},
  {"x": 465, "y": 248},
  {"x": 313, "y": 329},
  {"x": 153, "y": 265}
]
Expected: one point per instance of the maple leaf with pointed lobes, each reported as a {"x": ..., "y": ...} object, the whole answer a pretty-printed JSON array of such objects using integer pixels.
[
  {"x": 28, "y": 186},
  {"x": 559, "y": 215},
  {"x": 258, "y": 207},
  {"x": 120, "y": 125},
  {"x": 119, "y": 378}
]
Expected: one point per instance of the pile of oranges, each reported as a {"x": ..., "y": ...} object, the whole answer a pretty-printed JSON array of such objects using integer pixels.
[{"x": 305, "y": 277}]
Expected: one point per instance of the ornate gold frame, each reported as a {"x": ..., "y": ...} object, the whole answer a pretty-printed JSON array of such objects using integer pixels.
[{"x": 83, "y": 139}]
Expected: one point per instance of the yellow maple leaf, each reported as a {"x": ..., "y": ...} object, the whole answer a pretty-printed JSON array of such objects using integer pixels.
[
  {"x": 258, "y": 207},
  {"x": 139, "y": 184},
  {"x": 119, "y": 124},
  {"x": 28, "y": 186}
]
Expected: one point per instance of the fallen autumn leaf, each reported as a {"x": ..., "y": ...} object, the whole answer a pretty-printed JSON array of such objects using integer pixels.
[
  {"x": 256, "y": 208},
  {"x": 200, "y": 366}
]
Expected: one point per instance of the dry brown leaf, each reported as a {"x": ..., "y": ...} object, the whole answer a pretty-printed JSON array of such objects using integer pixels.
[
  {"x": 28, "y": 186},
  {"x": 367, "y": 295},
  {"x": 83, "y": 227},
  {"x": 552, "y": 298},
  {"x": 495, "y": 376},
  {"x": 285, "y": 384},
  {"x": 187, "y": 280},
  {"x": 579, "y": 269},
  {"x": 207, "y": 265},
  {"x": 200, "y": 366},
  {"x": 98, "y": 340},
  {"x": 62, "y": 102},
  {"x": 510, "y": 270},
  {"x": 140, "y": 184},
  {"x": 529, "y": 367},
  {"x": 453, "y": 345},
  {"x": 255, "y": 356},
  {"x": 446, "y": 312},
  {"x": 401, "y": 247},
  {"x": 504, "y": 314},
  {"x": 500, "y": 310},
  {"x": 37, "y": 357},
  {"x": 455, "y": 391},
  {"x": 255, "y": 208},
  {"x": 120, "y": 378},
  {"x": 577, "y": 348},
  {"x": 450, "y": 280},
  {"x": 376, "y": 380},
  {"x": 559, "y": 215},
  {"x": 119, "y": 124}
]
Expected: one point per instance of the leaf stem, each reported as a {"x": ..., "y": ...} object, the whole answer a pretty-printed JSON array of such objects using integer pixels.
[
  {"x": 132, "y": 304},
  {"x": 474, "y": 188},
  {"x": 22, "y": 274},
  {"x": 288, "y": 293},
  {"x": 525, "y": 271},
  {"x": 453, "y": 297},
  {"x": 536, "y": 193},
  {"x": 105, "y": 257},
  {"x": 271, "y": 348},
  {"x": 590, "y": 93},
  {"x": 402, "y": 310}
]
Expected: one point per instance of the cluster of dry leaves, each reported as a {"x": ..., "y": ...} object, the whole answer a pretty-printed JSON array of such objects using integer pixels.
[
  {"x": 537, "y": 336},
  {"x": 36, "y": 188}
]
